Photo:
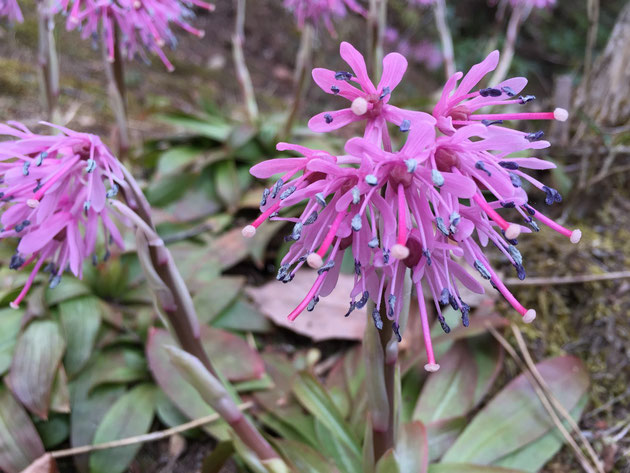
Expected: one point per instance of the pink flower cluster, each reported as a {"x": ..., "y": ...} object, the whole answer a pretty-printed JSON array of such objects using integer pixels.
[
  {"x": 322, "y": 11},
  {"x": 11, "y": 10},
  {"x": 534, "y": 3},
  {"x": 137, "y": 25},
  {"x": 430, "y": 206},
  {"x": 54, "y": 191}
]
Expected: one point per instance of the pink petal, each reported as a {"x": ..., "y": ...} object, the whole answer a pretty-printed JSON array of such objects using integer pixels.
[
  {"x": 340, "y": 118},
  {"x": 37, "y": 239},
  {"x": 355, "y": 60},
  {"x": 477, "y": 72},
  {"x": 275, "y": 166},
  {"x": 325, "y": 78},
  {"x": 534, "y": 163},
  {"x": 394, "y": 67}
]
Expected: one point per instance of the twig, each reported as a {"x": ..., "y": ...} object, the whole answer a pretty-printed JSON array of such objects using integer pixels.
[
  {"x": 300, "y": 75},
  {"x": 519, "y": 15},
  {"x": 543, "y": 399},
  {"x": 568, "y": 279},
  {"x": 47, "y": 59},
  {"x": 152, "y": 437},
  {"x": 559, "y": 407},
  {"x": 242, "y": 73},
  {"x": 591, "y": 37},
  {"x": 439, "y": 9},
  {"x": 377, "y": 22}
]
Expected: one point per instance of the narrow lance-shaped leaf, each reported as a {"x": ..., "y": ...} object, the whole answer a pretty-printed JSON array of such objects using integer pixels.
[{"x": 80, "y": 319}]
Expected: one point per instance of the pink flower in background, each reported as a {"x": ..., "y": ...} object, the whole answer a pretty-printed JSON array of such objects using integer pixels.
[
  {"x": 534, "y": 3},
  {"x": 54, "y": 193},
  {"x": 322, "y": 11},
  {"x": 421, "y": 2},
  {"x": 430, "y": 207},
  {"x": 136, "y": 24},
  {"x": 11, "y": 10},
  {"x": 368, "y": 102}
]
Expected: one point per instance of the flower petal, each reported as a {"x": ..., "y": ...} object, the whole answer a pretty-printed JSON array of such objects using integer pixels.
[
  {"x": 340, "y": 118},
  {"x": 355, "y": 60},
  {"x": 271, "y": 167},
  {"x": 325, "y": 79},
  {"x": 394, "y": 67}
]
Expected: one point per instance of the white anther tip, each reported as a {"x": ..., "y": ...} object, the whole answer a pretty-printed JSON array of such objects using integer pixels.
[
  {"x": 529, "y": 316},
  {"x": 13, "y": 305},
  {"x": 32, "y": 203},
  {"x": 560, "y": 114},
  {"x": 431, "y": 367},
  {"x": 249, "y": 231},
  {"x": 513, "y": 231},
  {"x": 314, "y": 261},
  {"x": 359, "y": 106},
  {"x": 576, "y": 236},
  {"x": 400, "y": 251}
]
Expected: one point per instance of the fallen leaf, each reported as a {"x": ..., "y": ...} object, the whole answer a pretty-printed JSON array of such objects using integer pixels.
[
  {"x": 44, "y": 464},
  {"x": 276, "y": 300}
]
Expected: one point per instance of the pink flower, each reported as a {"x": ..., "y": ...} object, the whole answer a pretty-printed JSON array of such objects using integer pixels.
[
  {"x": 56, "y": 189},
  {"x": 142, "y": 24},
  {"x": 11, "y": 10},
  {"x": 534, "y": 3},
  {"x": 428, "y": 207},
  {"x": 316, "y": 11},
  {"x": 422, "y": 2},
  {"x": 369, "y": 102}
]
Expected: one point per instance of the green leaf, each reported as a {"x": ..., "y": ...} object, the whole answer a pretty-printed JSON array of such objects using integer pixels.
[
  {"x": 227, "y": 185},
  {"x": 19, "y": 443},
  {"x": 312, "y": 395},
  {"x": 346, "y": 458},
  {"x": 388, "y": 463},
  {"x": 216, "y": 296},
  {"x": 442, "y": 434},
  {"x": 303, "y": 458},
  {"x": 54, "y": 431},
  {"x": 171, "y": 416},
  {"x": 534, "y": 456},
  {"x": 449, "y": 392},
  {"x": 130, "y": 415},
  {"x": 10, "y": 320},
  {"x": 69, "y": 288},
  {"x": 515, "y": 416},
  {"x": 214, "y": 462},
  {"x": 166, "y": 189},
  {"x": 80, "y": 320},
  {"x": 244, "y": 317},
  {"x": 60, "y": 395},
  {"x": 468, "y": 468},
  {"x": 412, "y": 448},
  {"x": 118, "y": 365},
  {"x": 35, "y": 363},
  {"x": 488, "y": 359},
  {"x": 174, "y": 159},
  {"x": 208, "y": 126}
]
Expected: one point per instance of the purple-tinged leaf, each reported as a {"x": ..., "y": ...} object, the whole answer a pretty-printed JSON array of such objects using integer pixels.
[
  {"x": 9, "y": 330},
  {"x": 301, "y": 457},
  {"x": 515, "y": 417},
  {"x": 19, "y": 443},
  {"x": 35, "y": 363},
  {"x": 388, "y": 463},
  {"x": 412, "y": 448},
  {"x": 449, "y": 392},
  {"x": 60, "y": 395},
  {"x": 442, "y": 434},
  {"x": 468, "y": 468}
]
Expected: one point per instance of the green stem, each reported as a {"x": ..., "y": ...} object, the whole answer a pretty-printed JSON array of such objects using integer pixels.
[
  {"x": 446, "y": 39},
  {"x": 47, "y": 59},
  {"x": 377, "y": 23}
]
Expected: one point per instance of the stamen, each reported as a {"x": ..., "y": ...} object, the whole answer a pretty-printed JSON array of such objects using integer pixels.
[
  {"x": 315, "y": 262},
  {"x": 356, "y": 195},
  {"x": 439, "y": 223},
  {"x": 479, "y": 266},
  {"x": 405, "y": 126},
  {"x": 265, "y": 195},
  {"x": 426, "y": 332},
  {"x": 399, "y": 250},
  {"x": 373, "y": 243},
  {"x": 552, "y": 195},
  {"x": 525, "y": 99},
  {"x": 573, "y": 235},
  {"x": 334, "y": 89},
  {"x": 376, "y": 317},
  {"x": 327, "y": 267},
  {"x": 364, "y": 300},
  {"x": 276, "y": 188},
  {"x": 319, "y": 197},
  {"x": 396, "y": 330},
  {"x": 328, "y": 118},
  {"x": 509, "y": 165},
  {"x": 482, "y": 167},
  {"x": 385, "y": 93},
  {"x": 509, "y": 91},
  {"x": 287, "y": 192},
  {"x": 536, "y": 136},
  {"x": 490, "y": 92},
  {"x": 437, "y": 178},
  {"x": 411, "y": 164},
  {"x": 356, "y": 223},
  {"x": 344, "y": 75},
  {"x": 311, "y": 218},
  {"x": 371, "y": 180}
]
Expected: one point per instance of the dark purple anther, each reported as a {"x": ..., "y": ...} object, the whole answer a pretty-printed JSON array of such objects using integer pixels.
[
  {"x": 328, "y": 117},
  {"x": 509, "y": 165},
  {"x": 525, "y": 99}
]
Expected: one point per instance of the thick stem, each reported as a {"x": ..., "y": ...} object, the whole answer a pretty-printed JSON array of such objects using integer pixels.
[
  {"x": 302, "y": 63},
  {"x": 47, "y": 59},
  {"x": 519, "y": 15},
  {"x": 182, "y": 316},
  {"x": 383, "y": 435},
  {"x": 446, "y": 39},
  {"x": 242, "y": 73},
  {"x": 377, "y": 23},
  {"x": 114, "y": 70}
]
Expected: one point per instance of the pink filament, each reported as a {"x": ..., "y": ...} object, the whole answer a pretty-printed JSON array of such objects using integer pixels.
[
  {"x": 426, "y": 331},
  {"x": 300, "y": 308},
  {"x": 29, "y": 282},
  {"x": 49, "y": 183},
  {"x": 508, "y": 295},
  {"x": 551, "y": 224},
  {"x": 513, "y": 116},
  {"x": 490, "y": 212},
  {"x": 256, "y": 223},
  {"x": 331, "y": 234}
]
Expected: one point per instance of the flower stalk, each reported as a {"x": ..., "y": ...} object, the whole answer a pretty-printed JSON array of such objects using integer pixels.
[
  {"x": 114, "y": 70},
  {"x": 302, "y": 64},
  {"x": 47, "y": 59},
  {"x": 377, "y": 24},
  {"x": 242, "y": 72},
  {"x": 520, "y": 12},
  {"x": 439, "y": 10},
  {"x": 174, "y": 303}
]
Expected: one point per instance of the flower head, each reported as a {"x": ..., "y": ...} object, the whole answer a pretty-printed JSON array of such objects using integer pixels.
[
  {"x": 135, "y": 24},
  {"x": 322, "y": 11},
  {"x": 54, "y": 194},
  {"x": 368, "y": 102},
  {"x": 429, "y": 208},
  {"x": 11, "y": 10}
]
